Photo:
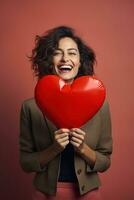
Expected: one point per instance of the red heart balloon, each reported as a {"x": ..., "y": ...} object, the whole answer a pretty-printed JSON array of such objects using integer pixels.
[{"x": 69, "y": 105}]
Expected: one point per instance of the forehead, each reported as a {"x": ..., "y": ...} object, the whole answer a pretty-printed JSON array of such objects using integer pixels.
[{"x": 67, "y": 43}]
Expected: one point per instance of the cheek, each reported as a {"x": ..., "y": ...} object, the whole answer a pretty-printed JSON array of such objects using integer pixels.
[
  {"x": 76, "y": 69},
  {"x": 77, "y": 61},
  {"x": 55, "y": 60},
  {"x": 77, "y": 64}
]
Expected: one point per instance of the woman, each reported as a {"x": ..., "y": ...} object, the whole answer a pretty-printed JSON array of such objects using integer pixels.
[{"x": 66, "y": 162}]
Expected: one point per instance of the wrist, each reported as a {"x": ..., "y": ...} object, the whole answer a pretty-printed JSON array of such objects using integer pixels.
[
  {"x": 56, "y": 147},
  {"x": 81, "y": 148}
]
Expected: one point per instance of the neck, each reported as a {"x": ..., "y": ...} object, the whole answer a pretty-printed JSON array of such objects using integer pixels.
[{"x": 69, "y": 81}]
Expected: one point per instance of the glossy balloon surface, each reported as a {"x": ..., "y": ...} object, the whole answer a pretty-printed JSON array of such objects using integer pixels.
[{"x": 69, "y": 105}]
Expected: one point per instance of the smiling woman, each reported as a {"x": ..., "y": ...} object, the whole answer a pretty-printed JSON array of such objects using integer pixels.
[
  {"x": 59, "y": 43},
  {"x": 66, "y": 160},
  {"x": 66, "y": 59}
]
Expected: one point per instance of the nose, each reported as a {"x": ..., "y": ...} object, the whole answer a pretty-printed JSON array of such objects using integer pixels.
[{"x": 65, "y": 58}]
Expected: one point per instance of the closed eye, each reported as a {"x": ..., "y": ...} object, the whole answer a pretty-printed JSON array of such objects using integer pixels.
[
  {"x": 72, "y": 53},
  {"x": 57, "y": 52}
]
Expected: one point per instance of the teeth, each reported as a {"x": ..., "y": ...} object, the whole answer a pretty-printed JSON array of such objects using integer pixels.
[{"x": 65, "y": 67}]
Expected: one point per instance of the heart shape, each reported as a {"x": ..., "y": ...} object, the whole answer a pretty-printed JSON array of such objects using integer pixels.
[{"x": 69, "y": 105}]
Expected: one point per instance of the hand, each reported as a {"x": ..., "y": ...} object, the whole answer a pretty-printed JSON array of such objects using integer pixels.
[
  {"x": 61, "y": 138},
  {"x": 77, "y": 137}
]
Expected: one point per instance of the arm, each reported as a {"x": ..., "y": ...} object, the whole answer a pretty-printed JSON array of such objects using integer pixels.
[
  {"x": 30, "y": 159},
  {"x": 61, "y": 139},
  {"x": 98, "y": 159}
]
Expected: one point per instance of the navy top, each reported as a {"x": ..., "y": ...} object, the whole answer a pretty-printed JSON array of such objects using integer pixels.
[{"x": 67, "y": 170}]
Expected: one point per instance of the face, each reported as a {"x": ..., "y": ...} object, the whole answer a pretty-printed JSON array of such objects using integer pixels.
[{"x": 66, "y": 59}]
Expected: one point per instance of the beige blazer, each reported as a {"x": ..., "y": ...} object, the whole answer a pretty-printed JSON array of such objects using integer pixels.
[{"x": 36, "y": 134}]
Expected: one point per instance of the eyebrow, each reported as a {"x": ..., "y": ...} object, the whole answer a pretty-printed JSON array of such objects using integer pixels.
[{"x": 67, "y": 49}]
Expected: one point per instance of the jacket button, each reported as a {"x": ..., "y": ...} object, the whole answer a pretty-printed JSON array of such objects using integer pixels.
[
  {"x": 79, "y": 171},
  {"x": 83, "y": 187}
]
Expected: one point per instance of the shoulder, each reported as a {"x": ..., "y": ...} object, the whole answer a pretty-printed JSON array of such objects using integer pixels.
[
  {"x": 30, "y": 105},
  {"x": 29, "y": 102},
  {"x": 105, "y": 107},
  {"x": 105, "y": 114}
]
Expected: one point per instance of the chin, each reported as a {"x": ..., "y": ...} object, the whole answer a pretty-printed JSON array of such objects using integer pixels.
[{"x": 66, "y": 78}]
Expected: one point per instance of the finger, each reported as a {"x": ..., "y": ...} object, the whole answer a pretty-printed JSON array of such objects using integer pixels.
[
  {"x": 63, "y": 139},
  {"x": 62, "y": 130},
  {"x": 65, "y": 143},
  {"x": 77, "y": 130},
  {"x": 74, "y": 139},
  {"x": 62, "y": 135},
  {"x": 75, "y": 144},
  {"x": 74, "y": 134}
]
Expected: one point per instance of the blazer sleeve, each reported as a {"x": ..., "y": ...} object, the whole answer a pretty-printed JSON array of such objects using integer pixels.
[
  {"x": 29, "y": 157},
  {"x": 104, "y": 147}
]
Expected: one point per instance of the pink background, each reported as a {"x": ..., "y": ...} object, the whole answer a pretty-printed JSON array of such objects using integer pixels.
[{"x": 108, "y": 26}]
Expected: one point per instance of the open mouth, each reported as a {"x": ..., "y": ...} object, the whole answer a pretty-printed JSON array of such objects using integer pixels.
[{"x": 64, "y": 68}]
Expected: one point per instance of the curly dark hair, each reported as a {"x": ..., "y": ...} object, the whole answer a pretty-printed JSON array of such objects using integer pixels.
[{"x": 45, "y": 45}]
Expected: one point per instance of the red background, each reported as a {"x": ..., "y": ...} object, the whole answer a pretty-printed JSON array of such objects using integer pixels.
[{"x": 108, "y": 26}]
